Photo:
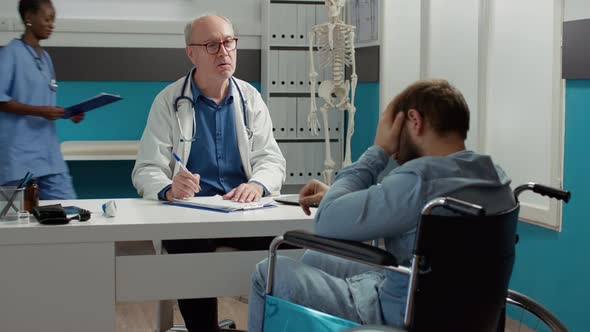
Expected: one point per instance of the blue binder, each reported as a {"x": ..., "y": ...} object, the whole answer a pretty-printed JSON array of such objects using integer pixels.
[{"x": 90, "y": 104}]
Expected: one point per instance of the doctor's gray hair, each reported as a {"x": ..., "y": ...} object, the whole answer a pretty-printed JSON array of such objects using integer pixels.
[{"x": 188, "y": 28}]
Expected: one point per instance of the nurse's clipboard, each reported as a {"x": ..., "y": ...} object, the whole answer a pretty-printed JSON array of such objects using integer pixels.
[{"x": 90, "y": 104}]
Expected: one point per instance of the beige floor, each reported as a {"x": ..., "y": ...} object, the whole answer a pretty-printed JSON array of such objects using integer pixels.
[
  {"x": 514, "y": 326},
  {"x": 140, "y": 316}
]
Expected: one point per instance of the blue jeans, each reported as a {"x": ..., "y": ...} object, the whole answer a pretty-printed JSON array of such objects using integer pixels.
[{"x": 326, "y": 283}]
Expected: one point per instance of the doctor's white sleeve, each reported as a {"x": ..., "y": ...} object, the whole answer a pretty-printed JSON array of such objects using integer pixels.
[
  {"x": 268, "y": 163},
  {"x": 153, "y": 166}
]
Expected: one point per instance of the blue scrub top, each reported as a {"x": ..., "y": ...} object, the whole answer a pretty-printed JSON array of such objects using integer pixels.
[{"x": 27, "y": 143}]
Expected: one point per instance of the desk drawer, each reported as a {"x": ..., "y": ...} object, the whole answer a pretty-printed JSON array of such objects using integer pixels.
[{"x": 212, "y": 274}]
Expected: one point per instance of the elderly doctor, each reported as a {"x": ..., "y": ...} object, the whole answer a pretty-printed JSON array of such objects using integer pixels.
[{"x": 221, "y": 130}]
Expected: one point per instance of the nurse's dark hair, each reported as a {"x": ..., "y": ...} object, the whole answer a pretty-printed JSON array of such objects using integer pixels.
[{"x": 30, "y": 6}]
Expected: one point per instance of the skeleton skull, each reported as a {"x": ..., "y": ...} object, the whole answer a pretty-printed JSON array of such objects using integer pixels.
[{"x": 334, "y": 7}]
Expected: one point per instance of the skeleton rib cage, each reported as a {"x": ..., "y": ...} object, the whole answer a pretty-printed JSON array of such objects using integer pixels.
[{"x": 340, "y": 55}]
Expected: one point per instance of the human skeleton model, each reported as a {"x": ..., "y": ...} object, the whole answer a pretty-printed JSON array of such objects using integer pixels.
[{"x": 335, "y": 42}]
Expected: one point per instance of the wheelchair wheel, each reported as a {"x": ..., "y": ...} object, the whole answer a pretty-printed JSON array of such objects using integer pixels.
[{"x": 526, "y": 314}]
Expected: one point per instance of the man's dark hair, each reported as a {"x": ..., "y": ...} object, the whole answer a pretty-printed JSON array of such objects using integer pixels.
[
  {"x": 441, "y": 104},
  {"x": 32, "y": 6}
]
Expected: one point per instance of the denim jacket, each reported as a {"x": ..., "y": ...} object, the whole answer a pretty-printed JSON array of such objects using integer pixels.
[{"x": 358, "y": 208}]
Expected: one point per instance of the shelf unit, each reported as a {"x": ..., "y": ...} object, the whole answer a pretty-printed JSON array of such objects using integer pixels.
[
  {"x": 99, "y": 150},
  {"x": 285, "y": 88}
]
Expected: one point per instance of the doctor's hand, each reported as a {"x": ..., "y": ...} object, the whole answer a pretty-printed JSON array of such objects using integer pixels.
[
  {"x": 184, "y": 185},
  {"x": 312, "y": 194},
  {"x": 245, "y": 193},
  {"x": 77, "y": 118},
  {"x": 389, "y": 130},
  {"x": 51, "y": 112}
]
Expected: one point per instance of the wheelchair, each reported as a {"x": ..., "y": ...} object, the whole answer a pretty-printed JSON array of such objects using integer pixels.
[{"x": 458, "y": 278}]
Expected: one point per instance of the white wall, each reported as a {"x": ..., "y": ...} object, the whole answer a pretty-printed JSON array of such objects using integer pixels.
[
  {"x": 111, "y": 9},
  {"x": 524, "y": 111},
  {"x": 136, "y": 23},
  {"x": 400, "y": 30},
  {"x": 577, "y": 10},
  {"x": 451, "y": 51},
  {"x": 505, "y": 58},
  {"x": 8, "y": 8},
  {"x": 428, "y": 39}
]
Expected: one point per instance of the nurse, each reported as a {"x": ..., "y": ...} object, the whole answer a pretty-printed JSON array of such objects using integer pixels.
[{"x": 28, "y": 138}]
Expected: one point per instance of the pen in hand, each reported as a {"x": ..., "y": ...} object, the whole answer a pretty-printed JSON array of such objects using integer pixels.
[{"x": 183, "y": 167}]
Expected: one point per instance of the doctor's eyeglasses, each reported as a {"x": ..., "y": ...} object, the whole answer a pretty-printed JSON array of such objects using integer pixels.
[{"x": 214, "y": 47}]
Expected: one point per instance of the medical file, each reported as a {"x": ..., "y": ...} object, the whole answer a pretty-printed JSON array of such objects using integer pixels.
[
  {"x": 217, "y": 203},
  {"x": 90, "y": 104},
  {"x": 284, "y": 118},
  {"x": 274, "y": 70}
]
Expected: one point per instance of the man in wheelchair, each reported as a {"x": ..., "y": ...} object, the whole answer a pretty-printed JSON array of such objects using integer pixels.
[{"x": 424, "y": 129}]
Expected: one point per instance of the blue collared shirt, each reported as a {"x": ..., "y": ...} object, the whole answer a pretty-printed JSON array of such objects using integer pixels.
[
  {"x": 214, "y": 153},
  {"x": 27, "y": 143}
]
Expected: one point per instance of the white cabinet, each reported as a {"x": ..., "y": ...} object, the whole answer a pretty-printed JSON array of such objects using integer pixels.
[
  {"x": 286, "y": 88},
  {"x": 284, "y": 118}
]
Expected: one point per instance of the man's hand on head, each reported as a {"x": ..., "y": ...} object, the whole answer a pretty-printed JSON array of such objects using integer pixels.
[
  {"x": 389, "y": 130},
  {"x": 184, "y": 185},
  {"x": 245, "y": 193},
  {"x": 312, "y": 194}
]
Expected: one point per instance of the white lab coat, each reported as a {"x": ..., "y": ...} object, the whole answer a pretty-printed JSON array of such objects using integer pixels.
[{"x": 155, "y": 166}]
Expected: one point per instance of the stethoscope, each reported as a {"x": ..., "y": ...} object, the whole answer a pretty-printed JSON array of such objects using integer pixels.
[
  {"x": 52, "y": 82},
  {"x": 182, "y": 97}
]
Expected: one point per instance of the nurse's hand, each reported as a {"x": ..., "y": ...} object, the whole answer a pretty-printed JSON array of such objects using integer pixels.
[
  {"x": 312, "y": 194},
  {"x": 184, "y": 185},
  {"x": 245, "y": 193},
  {"x": 77, "y": 118},
  {"x": 51, "y": 112}
]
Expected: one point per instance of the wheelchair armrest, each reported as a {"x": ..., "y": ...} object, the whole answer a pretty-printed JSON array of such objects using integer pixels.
[{"x": 352, "y": 250}]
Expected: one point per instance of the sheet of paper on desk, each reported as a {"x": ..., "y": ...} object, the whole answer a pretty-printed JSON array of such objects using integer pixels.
[{"x": 218, "y": 203}]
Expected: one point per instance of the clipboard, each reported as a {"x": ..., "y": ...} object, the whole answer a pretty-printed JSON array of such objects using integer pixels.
[
  {"x": 90, "y": 104},
  {"x": 217, "y": 203}
]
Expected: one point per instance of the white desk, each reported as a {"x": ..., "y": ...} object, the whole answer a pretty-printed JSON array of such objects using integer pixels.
[{"x": 68, "y": 278}]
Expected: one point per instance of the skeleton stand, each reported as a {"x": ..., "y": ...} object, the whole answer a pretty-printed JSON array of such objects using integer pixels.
[{"x": 335, "y": 42}]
